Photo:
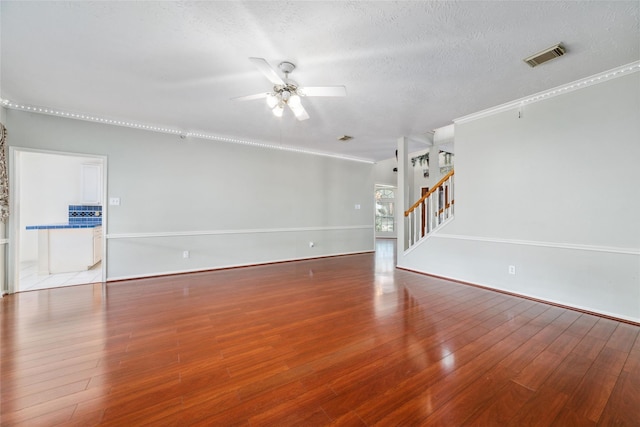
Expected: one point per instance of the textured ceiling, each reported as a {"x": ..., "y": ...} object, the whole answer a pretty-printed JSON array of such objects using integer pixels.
[{"x": 409, "y": 67}]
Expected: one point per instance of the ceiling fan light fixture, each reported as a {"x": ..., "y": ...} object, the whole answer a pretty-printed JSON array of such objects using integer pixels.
[
  {"x": 286, "y": 92},
  {"x": 272, "y": 100},
  {"x": 278, "y": 110}
]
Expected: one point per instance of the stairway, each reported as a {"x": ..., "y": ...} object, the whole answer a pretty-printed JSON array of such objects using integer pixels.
[{"x": 430, "y": 212}]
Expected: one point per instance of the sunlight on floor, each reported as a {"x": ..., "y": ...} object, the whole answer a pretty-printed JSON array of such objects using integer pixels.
[{"x": 385, "y": 255}]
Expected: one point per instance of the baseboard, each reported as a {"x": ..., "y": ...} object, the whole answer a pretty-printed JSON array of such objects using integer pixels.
[
  {"x": 605, "y": 315},
  {"x": 227, "y": 267}
]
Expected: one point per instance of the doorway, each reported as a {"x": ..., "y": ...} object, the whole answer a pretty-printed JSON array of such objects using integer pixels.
[
  {"x": 385, "y": 219},
  {"x": 58, "y": 221}
]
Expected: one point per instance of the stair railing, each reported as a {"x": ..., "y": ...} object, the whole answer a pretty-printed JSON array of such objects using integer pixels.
[{"x": 435, "y": 207}]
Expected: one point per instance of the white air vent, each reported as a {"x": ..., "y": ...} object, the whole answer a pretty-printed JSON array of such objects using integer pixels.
[
  {"x": 545, "y": 55},
  {"x": 345, "y": 138}
]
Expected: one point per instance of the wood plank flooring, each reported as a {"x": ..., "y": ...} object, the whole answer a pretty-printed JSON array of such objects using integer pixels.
[{"x": 344, "y": 341}]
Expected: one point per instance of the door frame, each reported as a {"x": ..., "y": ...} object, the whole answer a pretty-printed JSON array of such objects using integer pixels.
[
  {"x": 381, "y": 234},
  {"x": 13, "y": 249}
]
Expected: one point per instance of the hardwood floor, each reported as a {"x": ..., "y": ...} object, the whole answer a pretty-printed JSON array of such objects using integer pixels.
[{"x": 337, "y": 341}]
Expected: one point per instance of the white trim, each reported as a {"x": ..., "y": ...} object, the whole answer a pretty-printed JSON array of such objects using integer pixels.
[
  {"x": 223, "y": 232},
  {"x": 576, "y": 306},
  {"x": 610, "y": 249},
  {"x": 560, "y": 90},
  {"x": 224, "y": 267},
  {"x": 50, "y": 111},
  {"x": 432, "y": 234},
  {"x": 4, "y": 241},
  {"x": 527, "y": 295}
]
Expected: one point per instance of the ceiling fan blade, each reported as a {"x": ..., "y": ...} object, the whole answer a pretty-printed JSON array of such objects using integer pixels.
[
  {"x": 268, "y": 71},
  {"x": 251, "y": 97},
  {"x": 323, "y": 91},
  {"x": 299, "y": 111}
]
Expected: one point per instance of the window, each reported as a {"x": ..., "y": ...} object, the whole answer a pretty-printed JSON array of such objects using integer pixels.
[{"x": 385, "y": 212}]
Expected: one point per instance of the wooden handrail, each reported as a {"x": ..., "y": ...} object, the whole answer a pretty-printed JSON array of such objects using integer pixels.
[{"x": 430, "y": 192}]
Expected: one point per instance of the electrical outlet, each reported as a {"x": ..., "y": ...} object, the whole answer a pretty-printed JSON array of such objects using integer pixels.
[
  {"x": 357, "y": 206},
  {"x": 185, "y": 254},
  {"x": 114, "y": 201},
  {"x": 512, "y": 269}
]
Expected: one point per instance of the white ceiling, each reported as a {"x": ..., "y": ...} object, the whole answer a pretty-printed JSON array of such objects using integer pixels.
[{"x": 409, "y": 67}]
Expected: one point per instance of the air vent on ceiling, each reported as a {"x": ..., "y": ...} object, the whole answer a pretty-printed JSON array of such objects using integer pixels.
[
  {"x": 545, "y": 55},
  {"x": 345, "y": 138}
]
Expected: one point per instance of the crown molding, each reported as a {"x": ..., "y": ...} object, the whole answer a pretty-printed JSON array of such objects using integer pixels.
[
  {"x": 50, "y": 111},
  {"x": 623, "y": 70}
]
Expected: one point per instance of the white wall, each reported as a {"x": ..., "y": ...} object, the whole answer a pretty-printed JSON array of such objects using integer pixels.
[
  {"x": 49, "y": 183},
  {"x": 384, "y": 174},
  {"x": 554, "y": 193},
  {"x": 228, "y": 204}
]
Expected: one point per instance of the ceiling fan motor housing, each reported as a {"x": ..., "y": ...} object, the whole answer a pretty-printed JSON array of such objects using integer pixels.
[
  {"x": 286, "y": 67},
  {"x": 290, "y": 88}
]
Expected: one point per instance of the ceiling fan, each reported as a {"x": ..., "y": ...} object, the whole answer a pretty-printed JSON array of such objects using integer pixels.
[{"x": 286, "y": 91}]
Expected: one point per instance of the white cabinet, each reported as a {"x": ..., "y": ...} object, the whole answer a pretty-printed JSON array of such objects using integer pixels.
[
  {"x": 97, "y": 245},
  {"x": 65, "y": 250},
  {"x": 91, "y": 180}
]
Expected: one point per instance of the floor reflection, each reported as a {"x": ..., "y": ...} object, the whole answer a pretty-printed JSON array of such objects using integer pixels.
[
  {"x": 385, "y": 255},
  {"x": 386, "y": 297},
  {"x": 397, "y": 299}
]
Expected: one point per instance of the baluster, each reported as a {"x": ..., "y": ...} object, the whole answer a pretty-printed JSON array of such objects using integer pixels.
[
  {"x": 444, "y": 202},
  {"x": 450, "y": 197},
  {"x": 411, "y": 228},
  {"x": 445, "y": 213},
  {"x": 452, "y": 194},
  {"x": 434, "y": 207},
  {"x": 417, "y": 225},
  {"x": 420, "y": 221},
  {"x": 427, "y": 215},
  {"x": 415, "y": 231},
  {"x": 431, "y": 203},
  {"x": 439, "y": 209}
]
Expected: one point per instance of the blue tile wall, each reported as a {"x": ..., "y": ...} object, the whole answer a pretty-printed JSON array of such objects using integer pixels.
[{"x": 85, "y": 214}]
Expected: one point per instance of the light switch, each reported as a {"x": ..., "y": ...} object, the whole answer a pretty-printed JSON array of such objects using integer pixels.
[
  {"x": 357, "y": 206},
  {"x": 114, "y": 201}
]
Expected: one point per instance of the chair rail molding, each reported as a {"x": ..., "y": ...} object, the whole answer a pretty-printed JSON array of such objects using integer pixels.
[{"x": 594, "y": 248}]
